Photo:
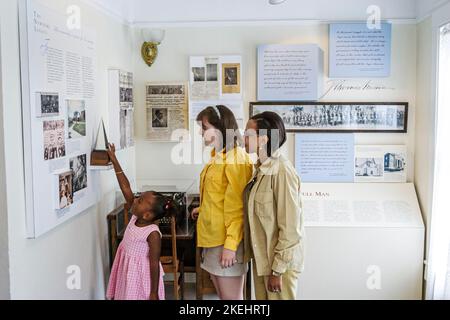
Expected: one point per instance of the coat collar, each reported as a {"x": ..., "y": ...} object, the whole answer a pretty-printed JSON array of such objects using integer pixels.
[{"x": 270, "y": 166}]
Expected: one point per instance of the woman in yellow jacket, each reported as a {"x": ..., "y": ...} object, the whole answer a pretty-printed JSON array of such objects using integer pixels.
[{"x": 220, "y": 215}]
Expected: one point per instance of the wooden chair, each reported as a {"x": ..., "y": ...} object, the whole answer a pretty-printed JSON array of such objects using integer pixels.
[
  {"x": 204, "y": 285},
  {"x": 171, "y": 264},
  {"x": 117, "y": 223}
]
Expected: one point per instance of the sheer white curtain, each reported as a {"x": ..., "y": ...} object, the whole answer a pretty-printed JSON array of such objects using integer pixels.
[{"x": 440, "y": 223}]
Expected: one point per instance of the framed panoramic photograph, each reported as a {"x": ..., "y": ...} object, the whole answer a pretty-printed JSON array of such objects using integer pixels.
[{"x": 338, "y": 116}]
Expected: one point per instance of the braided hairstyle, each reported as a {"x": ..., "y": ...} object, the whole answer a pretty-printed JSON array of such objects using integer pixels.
[{"x": 163, "y": 206}]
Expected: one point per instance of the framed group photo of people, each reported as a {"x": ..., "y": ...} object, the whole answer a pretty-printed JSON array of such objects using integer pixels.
[{"x": 338, "y": 117}]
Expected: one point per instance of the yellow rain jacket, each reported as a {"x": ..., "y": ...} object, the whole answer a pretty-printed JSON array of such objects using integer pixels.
[{"x": 222, "y": 183}]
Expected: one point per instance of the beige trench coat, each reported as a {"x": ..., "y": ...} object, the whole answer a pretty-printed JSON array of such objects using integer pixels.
[{"x": 273, "y": 223}]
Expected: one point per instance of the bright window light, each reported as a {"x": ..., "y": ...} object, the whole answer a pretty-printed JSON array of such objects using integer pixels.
[{"x": 440, "y": 224}]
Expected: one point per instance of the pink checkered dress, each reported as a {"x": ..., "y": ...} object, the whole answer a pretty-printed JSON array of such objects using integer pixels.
[{"x": 130, "y": 274}]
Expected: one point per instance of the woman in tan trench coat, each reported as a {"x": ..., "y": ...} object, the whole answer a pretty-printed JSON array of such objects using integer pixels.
[{"x": 273, "y": 223}]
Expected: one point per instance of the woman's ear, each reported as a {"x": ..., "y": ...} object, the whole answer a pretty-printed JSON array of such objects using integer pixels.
[{"x": 263, "y": 140}]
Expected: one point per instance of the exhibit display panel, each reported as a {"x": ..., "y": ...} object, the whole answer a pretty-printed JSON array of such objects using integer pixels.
[
  {"x": 363, "y": 241},
  {"x": 59, "y": 110},
  {"x": 290, "y": 72}
]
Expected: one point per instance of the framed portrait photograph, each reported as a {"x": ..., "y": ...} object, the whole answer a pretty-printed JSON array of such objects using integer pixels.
[
  {"x": 231, "y": 78},
  {"x": 338, "y": 116}
]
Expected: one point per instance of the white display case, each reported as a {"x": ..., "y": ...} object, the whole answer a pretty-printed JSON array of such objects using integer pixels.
[{"x": 363, "y": 241}]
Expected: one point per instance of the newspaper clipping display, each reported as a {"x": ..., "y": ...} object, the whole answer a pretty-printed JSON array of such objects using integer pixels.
[{"x": 167, "y": 110}]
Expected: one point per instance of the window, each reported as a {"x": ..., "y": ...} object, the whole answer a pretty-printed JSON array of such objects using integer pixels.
[{"x": 440, "y": 235}]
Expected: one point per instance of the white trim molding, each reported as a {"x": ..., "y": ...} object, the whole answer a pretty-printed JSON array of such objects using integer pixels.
[
  {"x": 425, "y": 8},
  {"x": 206, "y": 13},
  {"x": 251, "y": 23}
]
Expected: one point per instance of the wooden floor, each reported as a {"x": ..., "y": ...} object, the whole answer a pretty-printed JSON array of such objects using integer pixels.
[{"x": 189, "y": 293}]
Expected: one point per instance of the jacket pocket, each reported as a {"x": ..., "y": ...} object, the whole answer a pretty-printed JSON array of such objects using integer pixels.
[
  {"x": 264, "y": 204},
  {"x": 215, "y": 182}
]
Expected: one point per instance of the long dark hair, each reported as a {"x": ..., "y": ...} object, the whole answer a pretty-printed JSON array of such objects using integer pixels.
[
  {"x": 223, "y": 120},
  {"x": 270, "y": 124}
]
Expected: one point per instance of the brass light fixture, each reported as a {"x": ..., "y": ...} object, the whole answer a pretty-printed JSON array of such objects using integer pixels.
[{"x": 152, "y": 39}]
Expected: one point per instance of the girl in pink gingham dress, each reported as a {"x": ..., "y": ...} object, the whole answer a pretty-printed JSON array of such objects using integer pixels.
[
  {"x": 131, "y": 275},
  {"x": 137, "y": 272}
]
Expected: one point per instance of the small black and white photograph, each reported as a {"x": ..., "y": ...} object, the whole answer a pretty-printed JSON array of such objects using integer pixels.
[
  {"x": 211, "y": 72},
  {"x": 126, "y": 94},
  {"x": 394, "y": 162},
  {"x": 199, "y": 74},
  {"x": 160, "y": 118},
  {"x": 65, "y": 190},
  {"x": 126, "y": 128},
  {"x": 369, "y": 167},
  {"x": 321, "y": 117},
  {"x": 78, "y": 165},
  {"x": 126, "y": 79},
  {"x": 54, "y": 139},
  {"x": 47, "y": 104},
  {"x": 231, "y": 76}
]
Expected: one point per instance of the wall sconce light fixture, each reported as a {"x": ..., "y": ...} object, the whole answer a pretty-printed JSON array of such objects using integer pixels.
[
  {"x": 152, "y": 39},
  {"x": 275, "y": 2}
]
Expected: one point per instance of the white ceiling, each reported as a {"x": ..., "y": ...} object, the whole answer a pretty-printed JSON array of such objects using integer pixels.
[{"x": 176, "y": 12}]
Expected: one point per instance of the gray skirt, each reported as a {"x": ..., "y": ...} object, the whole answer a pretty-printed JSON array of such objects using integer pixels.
[{"x": 211, "y": 262}]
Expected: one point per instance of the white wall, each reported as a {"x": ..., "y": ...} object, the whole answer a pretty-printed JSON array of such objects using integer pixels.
[
  {"x": 38, "y": 267},
  {"x": 153, "y": 159},
  {"x": 4, "y": 254}
]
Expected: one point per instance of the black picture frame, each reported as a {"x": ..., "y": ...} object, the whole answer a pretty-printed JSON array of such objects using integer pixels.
[{"x": 344, "y": 112}]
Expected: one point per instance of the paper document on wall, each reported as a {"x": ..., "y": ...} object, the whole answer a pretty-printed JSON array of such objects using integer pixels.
[
  {"x": 321, "y": 157},
  {"x": 167, "y": 110},
  {"x": 290, "y": 72},
  {"x": 360, "y": 50},
  {"x": 215, "y": 78}
]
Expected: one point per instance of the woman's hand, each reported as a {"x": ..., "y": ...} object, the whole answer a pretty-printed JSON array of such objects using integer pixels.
[
  {"x": 112, "y": 152},
  {"x": 195, "y": 213},
  {"x": 154, "y": 296},
  {"x": 228, "y": 258},
  {"x": 275, "y": 284}
]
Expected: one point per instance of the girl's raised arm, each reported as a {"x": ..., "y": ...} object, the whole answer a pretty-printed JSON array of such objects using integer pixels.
[{"x": 121, "y": 177}]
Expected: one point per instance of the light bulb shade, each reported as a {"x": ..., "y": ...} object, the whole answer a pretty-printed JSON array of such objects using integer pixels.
[
  {"x": 153, "y": 35},
  {"x": 276, "y": 1}
]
